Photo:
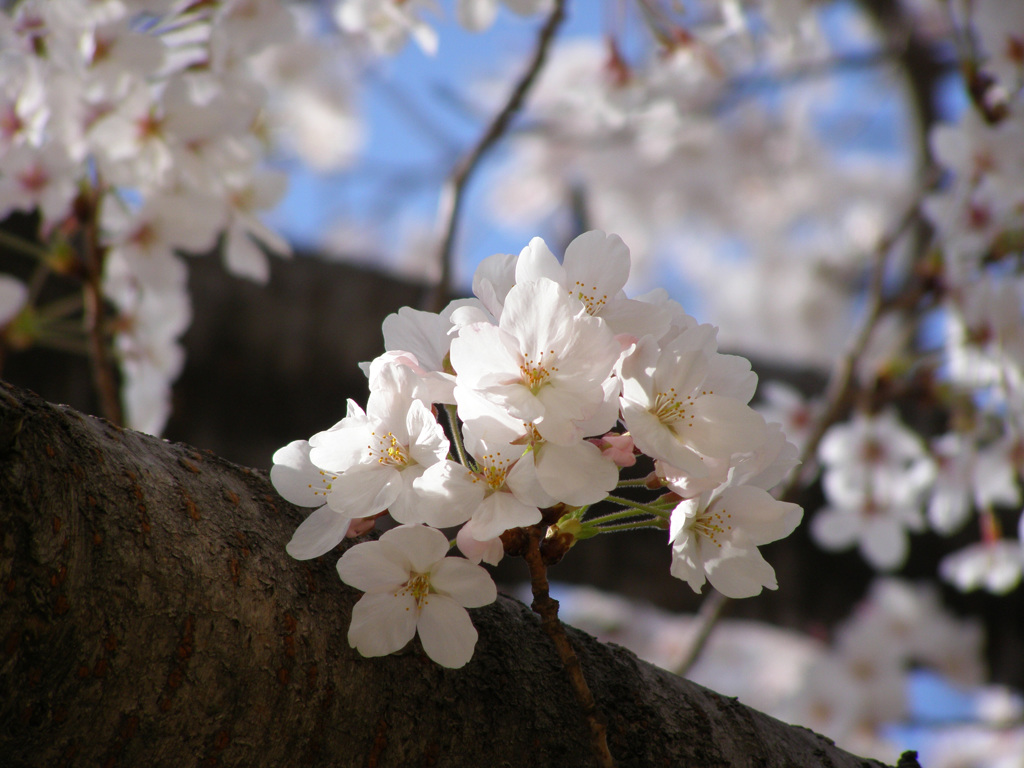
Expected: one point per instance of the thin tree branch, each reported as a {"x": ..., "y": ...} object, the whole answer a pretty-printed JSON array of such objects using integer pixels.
[
  {"x": 547, "y": 607},
  {"x": 838, "y": 395},
  {"x": 104, "y": 376},
  {"x": 453, "y": 191},
  {"x": 841, "y": 384},
  {"x": 707, "y": 617}
]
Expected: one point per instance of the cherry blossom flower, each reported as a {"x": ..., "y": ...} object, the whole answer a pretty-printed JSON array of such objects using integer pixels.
[
  {"x": 392, "y": 456},
  {"x": 43, "y": 177},
  {"x": 302, "y": 483},
  {"x": 478, "y": 15},
  {"x": 594, "y": 270},
  {"x": 995, "y": 566},
  {"x": 877, "y": 524},
  {"x": 490, "y": 551},
  {"x": 249, "y": 193},
  {"x": 872, "y": 458},
  {"x": 388, "y": 24},
  {"x": 684, "y": 401},
  {"x": 969, "y": 477},
  {"x": 505, "y": 493},
  {"x": 413, "y": 588},
  {"x": 422, "y": 340},
  {"x": 148, "y": 350},
  {"x": 544, "y": 363},
  {"x": 13, "y": 296},
  {"x": 715, "y": 536},
  {"x": 784, "y": 404},
  {"x": 1000, "y": 30},
  {"x": 876, "y": 475},
  {"x": 985, "y": 336}
]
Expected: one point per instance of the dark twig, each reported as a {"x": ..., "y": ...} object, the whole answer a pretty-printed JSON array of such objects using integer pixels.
[
  {"x": 838, "y": 395},
  {"x": 104, "y": 375},
  {"x": 707, "y": 619},
  {"x": 840, "y": 389},
  {"x": 453, "y": 191},
  {"x": 547, "y": 607}
]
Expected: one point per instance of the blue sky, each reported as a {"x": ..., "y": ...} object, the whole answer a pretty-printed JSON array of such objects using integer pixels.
[{"x": 423, "y": 112}]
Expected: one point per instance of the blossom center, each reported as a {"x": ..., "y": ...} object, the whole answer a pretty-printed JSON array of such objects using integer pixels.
[
  {"x": 388, "y": 451},
  {"x": 589, "y": 297},
  {"x": 670, "y": 409},
  {"x": 535, "y": 373},
  {"x": 495, "y": 468},
  {"x": 715, "y": 525},
  {"x": 418, "y": 586},
  {"x": 325, "y": 479}
]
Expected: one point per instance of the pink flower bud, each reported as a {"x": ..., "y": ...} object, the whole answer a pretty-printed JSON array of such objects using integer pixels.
[
  {"x": 617, "y": 448},
  {"x": 490, "y": 551},
  {"x": 361, "y": 525}
]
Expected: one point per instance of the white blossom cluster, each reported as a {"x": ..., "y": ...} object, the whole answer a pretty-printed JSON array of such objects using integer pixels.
[
  {"x": 144, "y": 121},
  {"x": 679, "y": 153},
  {"x": 387, "y": 25},
  {"x": 550, "y": 375},
  {"x": 881, "y": 480},
  {"x": 852, "y": 686}
]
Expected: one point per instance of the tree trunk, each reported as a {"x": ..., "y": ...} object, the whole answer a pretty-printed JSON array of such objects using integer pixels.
[{"x": 149, "y": 616}]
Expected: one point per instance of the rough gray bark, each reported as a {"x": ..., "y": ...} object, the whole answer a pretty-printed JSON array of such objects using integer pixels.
[{"x": 150, "y": 616}]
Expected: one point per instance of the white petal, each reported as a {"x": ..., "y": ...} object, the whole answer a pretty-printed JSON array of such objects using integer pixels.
[
  {"x": 365, "y": 489},
  {"x": 446, "y": 631},
  {"x": 499, "y": 512},
  {"x": 369, "y": 567},
  {"x": 484, "y": 355},
  {"x": 835, "y": 528},
  {"x": 740, "y": 573},
  {"x": 427, "y": 442},
  {"x": 490, "y": 551},
  {"x": 467, "y": 584},
  {"x": 422, "y": 546},
  {"x": 243, "y": 257},
  {"x": 493, "y": 279},
  {"x": 321, "y": 532},
  {"x": 687, "y": 564},
  {"x": 884, "y": 544},
  {"x": 761, "y": 517},
  {"x": 476, "y": 15},
  {"x": 949, "y": 508},
  {"x": 597, "y": 262},
  {"x": 447, "y": 495},
  {"x": 657, "y": 441},
  {"x": 296, "y": 478},
  {"x": 522, "y": 480},
  {"x": 722, "y": 426},
  {"x": 683, "y": 514},
  {"x": 13, "y": 295},
  {"x": 406, "y": 506},
  {"x": 576, "y": 474},
  {"x": 536, "y": 261},
  {"x": 382, "y": 623},
  {"x": 424, "y": 334}
]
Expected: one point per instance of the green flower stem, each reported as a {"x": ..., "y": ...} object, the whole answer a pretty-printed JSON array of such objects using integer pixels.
[
  {"x": 621, "y": 515},
  {"x": 460, "y": 449},
  {"x": 640, "y": 483},
  {"x": 60, "y": 308},
  {"x": 655, "y": 523},
  {"x": 650, "y": 509},
  {"x": 26, "y": 247},
  {"x": 76, "y": 346},
  {"x": 577, "y": 513}
]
